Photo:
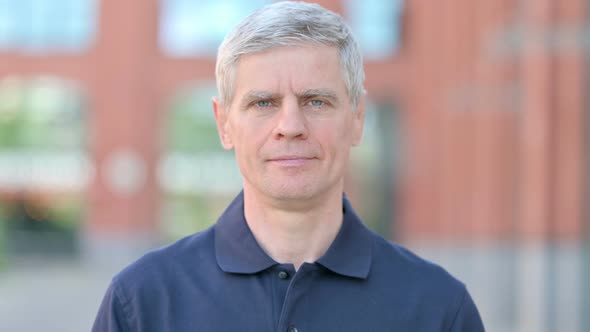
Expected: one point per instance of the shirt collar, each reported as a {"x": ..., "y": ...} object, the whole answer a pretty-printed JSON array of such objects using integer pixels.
[
  {"x": 351, "y": 252},
  {"x": 237, "y": 251},
  {"x": 235, "y": 246}
]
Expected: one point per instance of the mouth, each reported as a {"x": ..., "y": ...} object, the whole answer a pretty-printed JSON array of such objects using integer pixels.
[{"x": 291, "y": 161}]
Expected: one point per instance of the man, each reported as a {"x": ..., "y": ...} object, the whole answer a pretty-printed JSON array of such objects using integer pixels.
[{"x": 289, "y": 253}]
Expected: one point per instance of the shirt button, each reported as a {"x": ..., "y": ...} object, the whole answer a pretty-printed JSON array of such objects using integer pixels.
[
  {"x": 292, "y": 329},
  {"x": 285, "y": 275}
]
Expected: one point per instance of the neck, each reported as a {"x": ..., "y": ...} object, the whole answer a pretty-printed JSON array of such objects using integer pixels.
[{"x": 294, "y": 235}]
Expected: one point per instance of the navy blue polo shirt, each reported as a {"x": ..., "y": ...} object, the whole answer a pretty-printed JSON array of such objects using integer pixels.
[{"x": 221, "y": 280}]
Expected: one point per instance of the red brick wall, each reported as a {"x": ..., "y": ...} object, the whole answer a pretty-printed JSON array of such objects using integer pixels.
[{"x": 492, "y": 129}]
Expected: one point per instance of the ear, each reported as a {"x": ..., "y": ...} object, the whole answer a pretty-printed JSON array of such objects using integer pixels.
[
  {"x": 222, "y": 124},
  {"x": 358, "y": 121}
]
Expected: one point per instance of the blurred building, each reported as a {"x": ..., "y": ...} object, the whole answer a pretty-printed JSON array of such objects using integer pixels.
[{"x": 477, "y": 139}]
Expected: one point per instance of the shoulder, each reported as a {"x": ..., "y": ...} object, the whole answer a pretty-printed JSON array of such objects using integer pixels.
[
  {"x": 169, "y": 263},
  {"x": 417, "y": 274},
  {"x": 429, "y": 291},
  {"x": 143, "y": 292}
]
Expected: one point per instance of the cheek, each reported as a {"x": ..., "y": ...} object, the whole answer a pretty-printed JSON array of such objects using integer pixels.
[
  {"x": 334, "y": 139},
  {"x": 244, "y": 131},
  {"x": 249, "y": 140}
]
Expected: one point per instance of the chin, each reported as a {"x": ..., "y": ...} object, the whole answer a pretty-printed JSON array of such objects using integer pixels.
[
  {"x": 295, "y": 189},
  {"x": 292, "y": 194},
  {"x": 292, "y": 191}
]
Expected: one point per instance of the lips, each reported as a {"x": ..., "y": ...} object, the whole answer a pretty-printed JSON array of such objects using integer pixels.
[{"x": 291, "y": 161}]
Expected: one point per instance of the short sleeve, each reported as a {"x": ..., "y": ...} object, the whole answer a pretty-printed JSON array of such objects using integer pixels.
[
  {"x": 467, "y": 318},
  {"x": 111, "y": 316}
]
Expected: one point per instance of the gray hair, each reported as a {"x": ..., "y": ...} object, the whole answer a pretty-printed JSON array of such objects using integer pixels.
[{"x": 290, "y": 23}]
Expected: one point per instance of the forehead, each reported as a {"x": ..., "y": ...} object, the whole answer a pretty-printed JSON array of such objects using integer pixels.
[{"x": 291, "y": 68}]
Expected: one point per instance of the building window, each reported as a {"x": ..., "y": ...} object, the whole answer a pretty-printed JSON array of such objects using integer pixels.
[
  {"x": 196, "y": 28},
  {"x": 377, "y": 25},
  {"x": 198, "y": 178},
  {"x": 47, "y": 26},
  {"x": 44, "y": 166}
]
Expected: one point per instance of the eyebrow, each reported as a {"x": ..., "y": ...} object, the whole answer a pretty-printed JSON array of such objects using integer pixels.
[
  {"x": 257, "y": 95},
  {"x": 324, "y": 93},
  {"x": 305, "y": 94}
]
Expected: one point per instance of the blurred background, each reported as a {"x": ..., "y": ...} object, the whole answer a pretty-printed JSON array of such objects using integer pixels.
[{"x": 476, "y": 151}]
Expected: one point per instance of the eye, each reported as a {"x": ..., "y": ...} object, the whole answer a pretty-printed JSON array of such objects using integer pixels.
[
  {"x": 263, "y": 103},
  {"x": 316, "y": 103}
]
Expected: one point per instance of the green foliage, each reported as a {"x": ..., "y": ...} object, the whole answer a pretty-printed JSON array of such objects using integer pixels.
[
  {"x": 2, "y": 237},
  {"x": 41, "y": 115},
  {"x": 187, "y": 214},
  {"x": 191, "y": 130},
  {"x": 67, "y": 213},
  {"x": 191, "y": 125}
]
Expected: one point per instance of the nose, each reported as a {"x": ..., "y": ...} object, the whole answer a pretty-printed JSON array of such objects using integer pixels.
[{"x": 291, "y": 122}]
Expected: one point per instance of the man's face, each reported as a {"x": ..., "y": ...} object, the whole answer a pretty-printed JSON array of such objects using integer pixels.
[{"x": 290, "y": 122}]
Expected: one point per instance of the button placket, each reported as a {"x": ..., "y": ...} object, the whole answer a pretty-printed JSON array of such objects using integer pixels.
[
  {"x": 283, "y": 275},
  {"x": 291, "y": 319}
]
